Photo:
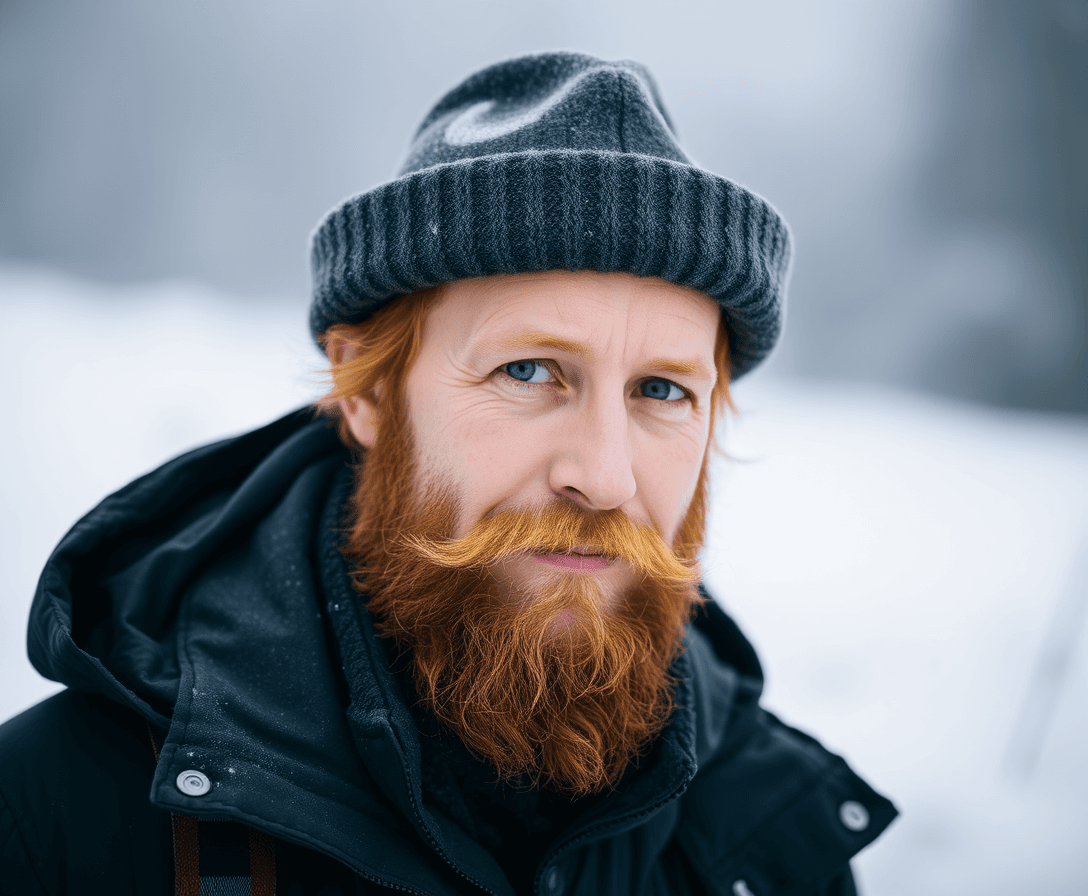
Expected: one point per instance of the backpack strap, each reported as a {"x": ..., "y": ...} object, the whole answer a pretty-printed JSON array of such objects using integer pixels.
[
  {"x": 220, "y": 857},
  {"x": 186, "y": 855}
]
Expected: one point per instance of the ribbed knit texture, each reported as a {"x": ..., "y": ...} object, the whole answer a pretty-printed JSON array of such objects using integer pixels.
[{"x": 558, "y": 161}]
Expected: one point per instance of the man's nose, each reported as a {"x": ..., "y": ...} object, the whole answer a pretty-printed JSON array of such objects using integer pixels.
[{"x": 593, "y": 460}]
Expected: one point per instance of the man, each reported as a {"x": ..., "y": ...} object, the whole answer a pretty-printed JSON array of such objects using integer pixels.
[{"x": 449, "y": 637}]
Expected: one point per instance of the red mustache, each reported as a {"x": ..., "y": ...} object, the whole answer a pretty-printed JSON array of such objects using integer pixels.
[{"x": 558, "y": 528}]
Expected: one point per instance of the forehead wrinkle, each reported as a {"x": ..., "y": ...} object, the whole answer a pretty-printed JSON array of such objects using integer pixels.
[
  {"x": 483, "y": 330},
  {"x": 507, "y": 288}
]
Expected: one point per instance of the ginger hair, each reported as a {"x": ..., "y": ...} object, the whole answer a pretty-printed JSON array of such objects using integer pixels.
[{"x": 388, "y": 342}]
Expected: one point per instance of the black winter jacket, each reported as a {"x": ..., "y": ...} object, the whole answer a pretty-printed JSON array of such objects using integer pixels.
[{"x": 206, "y": 604}]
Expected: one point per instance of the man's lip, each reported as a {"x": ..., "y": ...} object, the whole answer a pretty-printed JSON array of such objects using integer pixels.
[
  {"x": 580, "y": 550},
  {"x": 576, "y": 559}
]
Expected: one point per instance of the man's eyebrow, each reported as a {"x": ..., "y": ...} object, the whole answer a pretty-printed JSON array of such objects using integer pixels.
[
  {"x": 582, "y": 350},
  {"x": 544, "y": 340},
  {"x": 681, "y": 368}
]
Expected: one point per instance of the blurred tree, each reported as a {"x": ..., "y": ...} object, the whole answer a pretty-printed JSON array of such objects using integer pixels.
[{"x": 1005, "y": 201}]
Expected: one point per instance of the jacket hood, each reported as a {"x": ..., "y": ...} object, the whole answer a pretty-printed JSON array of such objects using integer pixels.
[{"x": 105, "y": 614}]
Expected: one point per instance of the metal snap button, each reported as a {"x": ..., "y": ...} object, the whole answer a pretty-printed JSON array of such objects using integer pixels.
[
  {"x": 193, "y": 783},
  {"x": 553, "y": 881},
  {"x": 854, "y": 816}
]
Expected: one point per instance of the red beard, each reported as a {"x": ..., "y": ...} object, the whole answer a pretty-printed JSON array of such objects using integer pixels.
[{"x": 545, "y": 682}]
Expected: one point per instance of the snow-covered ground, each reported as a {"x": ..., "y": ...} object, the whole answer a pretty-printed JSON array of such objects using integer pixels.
[{"x": 912, "y": 570}]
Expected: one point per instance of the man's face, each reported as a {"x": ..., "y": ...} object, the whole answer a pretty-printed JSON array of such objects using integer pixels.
[
  {"x": 590, "y": 387},
  {"x": 525, "y": 525}
]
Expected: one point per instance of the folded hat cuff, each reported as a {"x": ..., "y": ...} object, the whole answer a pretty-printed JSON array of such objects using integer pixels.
[{"x": 569, "y": 210}]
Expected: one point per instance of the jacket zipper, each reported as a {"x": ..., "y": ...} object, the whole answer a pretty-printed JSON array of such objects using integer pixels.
[{"x": 431, "y": 839}]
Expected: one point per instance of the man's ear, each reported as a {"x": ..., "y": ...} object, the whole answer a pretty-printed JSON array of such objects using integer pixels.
[{"x": 359, "y": 413}]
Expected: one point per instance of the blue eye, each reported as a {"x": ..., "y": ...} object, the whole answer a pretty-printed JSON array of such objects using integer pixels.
[
  {"x": 662, "y": 390},
  {"x": 527, "y": 372}
]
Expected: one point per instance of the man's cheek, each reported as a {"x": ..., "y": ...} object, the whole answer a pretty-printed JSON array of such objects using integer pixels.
[
  {"x": 498, "y": 449},
  {"x": 476, "y": 420}
]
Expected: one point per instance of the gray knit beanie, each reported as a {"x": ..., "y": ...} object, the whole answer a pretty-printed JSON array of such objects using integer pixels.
[{"x": 555, "y": 161}]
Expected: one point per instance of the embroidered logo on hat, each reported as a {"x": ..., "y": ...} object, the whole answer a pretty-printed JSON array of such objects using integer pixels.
[{"x": 471, "y": 127}]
